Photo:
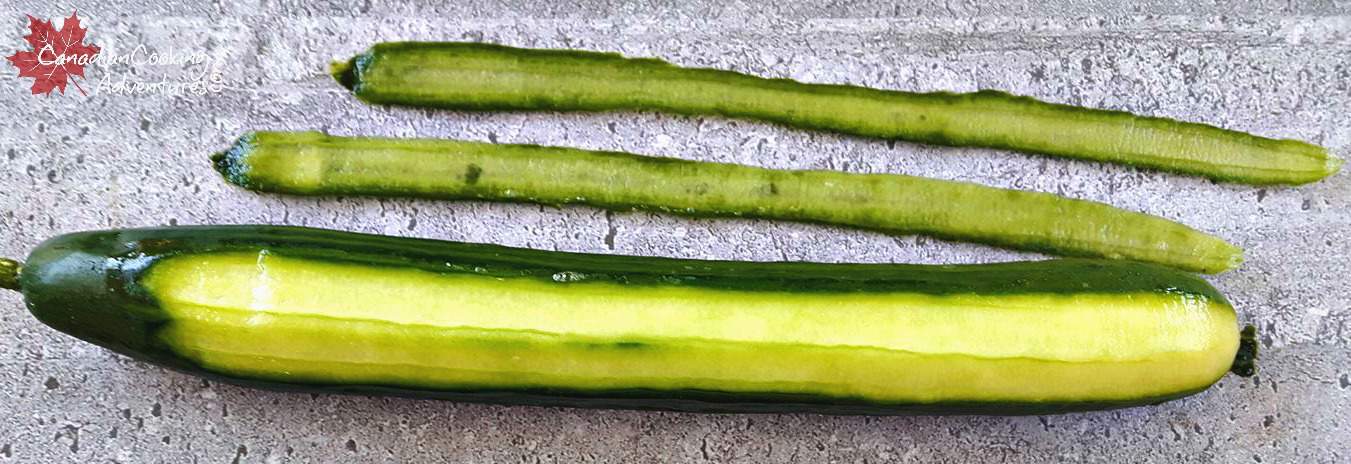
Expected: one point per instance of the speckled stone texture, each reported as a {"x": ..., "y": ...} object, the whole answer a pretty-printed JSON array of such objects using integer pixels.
[{"x": 1280, "y": 69}]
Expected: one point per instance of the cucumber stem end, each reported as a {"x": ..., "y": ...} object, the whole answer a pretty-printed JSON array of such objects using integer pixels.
[
  {"x": 345, "y": 73},
  {"x": 9, "y": 273},
  {"x": 229, "y": 163},
  {"x": 1245, "y": 362}
]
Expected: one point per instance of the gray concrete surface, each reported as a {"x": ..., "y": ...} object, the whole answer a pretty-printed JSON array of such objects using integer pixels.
[{"x": 1281, "y": 69}]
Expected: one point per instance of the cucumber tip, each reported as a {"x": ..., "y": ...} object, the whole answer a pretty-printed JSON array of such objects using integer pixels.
[
  {"x": 345, "y": 72},
  {"x": 230, "y": 162},
  {"x": 1245, "y": 360},
  {"x": 1334, "y": 164},
  {"x": 1235, "y": 259},
  {"x": 9, "y": 273}
]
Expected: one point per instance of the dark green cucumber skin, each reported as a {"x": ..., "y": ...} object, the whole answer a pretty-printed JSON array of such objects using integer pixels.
[
  {"x": 87, "y": 285},
  {"x": 350, "y": 75}
]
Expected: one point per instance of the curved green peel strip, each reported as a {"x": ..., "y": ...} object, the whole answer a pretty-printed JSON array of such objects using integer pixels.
[
  {"x": 312, "y": 163},
  {"x": 471, "y": 76}
]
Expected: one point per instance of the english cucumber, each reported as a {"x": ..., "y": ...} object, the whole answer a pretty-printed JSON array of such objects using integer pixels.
[
  {"x": 473, "y": 76},
  {"x": 318, "y": 310},
  {"x": 312, "y": 163}
]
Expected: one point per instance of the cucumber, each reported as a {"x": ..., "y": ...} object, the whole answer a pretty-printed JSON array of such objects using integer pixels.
[
  {"x": 312, "y": 163},
  {"x": 325, "y": 311},
  {"x": 472, "y": 76}
]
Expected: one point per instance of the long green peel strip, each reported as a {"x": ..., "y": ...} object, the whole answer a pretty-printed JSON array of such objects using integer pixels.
[
  {"x": 474, "y": 76},
  {"x": 311, "y": 163}
]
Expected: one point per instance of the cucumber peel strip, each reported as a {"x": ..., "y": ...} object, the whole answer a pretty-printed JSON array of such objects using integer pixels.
[{"x": 486, "y": 77}]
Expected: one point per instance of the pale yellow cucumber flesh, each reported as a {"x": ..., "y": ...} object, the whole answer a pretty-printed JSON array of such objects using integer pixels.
[{"x": 263, "y": 315}]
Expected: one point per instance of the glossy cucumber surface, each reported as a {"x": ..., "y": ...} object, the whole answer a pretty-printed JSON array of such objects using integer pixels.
[
  {"x": 473, "y": 76},
  {"x": 312, "y": 163},
  {"x": 318, "y": 310}
]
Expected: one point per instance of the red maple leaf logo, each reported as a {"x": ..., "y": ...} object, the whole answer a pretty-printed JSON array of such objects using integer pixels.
[{"x": 57, "y": 55}]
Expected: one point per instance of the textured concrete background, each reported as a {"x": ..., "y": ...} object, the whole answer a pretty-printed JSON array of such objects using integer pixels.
[{"x": 1281, "y": 69}]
